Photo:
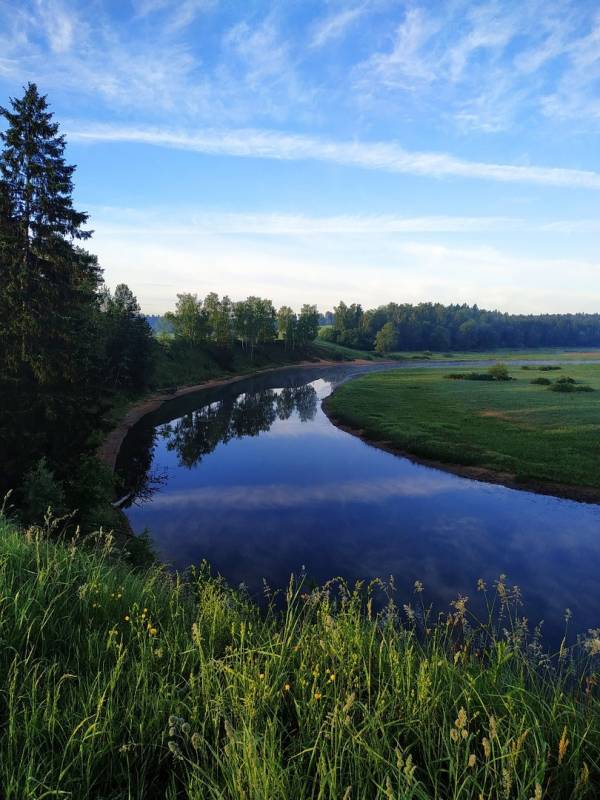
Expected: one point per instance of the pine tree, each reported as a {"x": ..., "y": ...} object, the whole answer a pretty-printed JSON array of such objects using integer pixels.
[
  {"x": 44, "y": 273},
  {"x": 48, "y": 295}
]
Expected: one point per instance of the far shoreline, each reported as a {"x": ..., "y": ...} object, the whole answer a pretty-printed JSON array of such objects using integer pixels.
[
  {"x": 108, "y": 451},
  {"x": 562, "y": 491}
]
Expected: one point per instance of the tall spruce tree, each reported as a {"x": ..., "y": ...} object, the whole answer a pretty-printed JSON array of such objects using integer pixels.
[
  {"x": 44, "y": 276},
  {"x": 48, "y": 293}
]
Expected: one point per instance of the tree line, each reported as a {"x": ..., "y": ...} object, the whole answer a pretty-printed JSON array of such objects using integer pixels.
[
  {"x": 254, "y": 321},
  {"x": 433, "y": 326}
]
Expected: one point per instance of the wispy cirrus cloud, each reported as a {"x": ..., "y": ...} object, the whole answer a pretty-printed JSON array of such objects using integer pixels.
[
  {"x": 386, "y": 156},
  {"x": 488, "y": 65},
  {"x": 334, "y": 26},
  {"x": 191, "y": 223}
]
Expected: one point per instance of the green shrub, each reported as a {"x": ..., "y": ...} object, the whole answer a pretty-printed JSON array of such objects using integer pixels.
[
  {"x": 584, "y": 388},
  {"x": 549, "y": 367},
  {"x": 566, "y": 380},
  {"x": 470, "y": 376},
  {"x": 541, "y": 381},
  {"x": 562, "y": 387},
  {"x": 499, "y": 372},
  {"x": 41, "y": 491}
]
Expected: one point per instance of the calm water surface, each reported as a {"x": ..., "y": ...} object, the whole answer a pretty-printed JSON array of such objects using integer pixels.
[{"x": 254, "y": 478}]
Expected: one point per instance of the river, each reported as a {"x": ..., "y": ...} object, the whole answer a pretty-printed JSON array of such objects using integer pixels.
[{"x": 254, "y": 478}]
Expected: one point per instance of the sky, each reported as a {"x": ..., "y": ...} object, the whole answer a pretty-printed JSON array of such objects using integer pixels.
[{"x": 317, "y": 150}]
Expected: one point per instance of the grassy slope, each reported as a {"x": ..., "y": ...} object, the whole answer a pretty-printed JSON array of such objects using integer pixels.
[
  {"x": 124, "y": 684},
  {"x": 512, "y": 427}
]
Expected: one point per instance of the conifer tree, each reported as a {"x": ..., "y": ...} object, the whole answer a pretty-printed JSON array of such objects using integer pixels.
[{"x": 48, "y": 291}]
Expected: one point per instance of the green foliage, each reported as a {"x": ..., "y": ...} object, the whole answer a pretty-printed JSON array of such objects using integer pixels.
[
  {"x": 287, "y": 325},
  {"x": 541, "y": 381},
  {"x": 469, "y": 376},
  {"x": 255, "y": 322},
  {"x": 48, "y": 302},
  {"x": 188, "y": 321},
  {"x": 308, "y": 324},
  {"x": 386, "y": 339},
  {"x": 41, "y": 493},
  {"x": 499, "y": 372},
  {"x": 127, "y": 341},
  {"x": 219, "y": 314},
  {"x": 121, "y": 683},
  {"x": 439, "y": 328}
]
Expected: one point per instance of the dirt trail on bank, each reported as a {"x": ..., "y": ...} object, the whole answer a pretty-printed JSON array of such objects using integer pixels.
[{"x": 109, "y": 449}]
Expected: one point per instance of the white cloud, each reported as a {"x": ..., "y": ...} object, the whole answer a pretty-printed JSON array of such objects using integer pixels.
[
  {"x": 405, "y": 62},
  {"x": 334, "y": 26},
  {"x": 59, "y": 24},
  {"x": 198, "y": 222},
  {"x": 386, "y": 156},
  {"x": 367, "y": 259}
]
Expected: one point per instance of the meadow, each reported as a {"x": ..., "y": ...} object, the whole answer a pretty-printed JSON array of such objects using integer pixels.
[
  {"x": 499, "y": 354},
  {"x": 125, "y": 683},
  {"x": 517, "y": 429}
]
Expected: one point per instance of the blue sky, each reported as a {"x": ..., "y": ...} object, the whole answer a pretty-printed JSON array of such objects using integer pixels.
[{"x": 370, "y": 150}]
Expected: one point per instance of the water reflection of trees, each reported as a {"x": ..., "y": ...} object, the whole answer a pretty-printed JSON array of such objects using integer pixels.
[{"x": 198, "y": 433}]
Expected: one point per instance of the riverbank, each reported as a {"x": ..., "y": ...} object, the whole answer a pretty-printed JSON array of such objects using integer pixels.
[
  {"x": 109, "y": 449},
  {"x": 128, "y": 682},
  {"x": 512, "y": 433}
]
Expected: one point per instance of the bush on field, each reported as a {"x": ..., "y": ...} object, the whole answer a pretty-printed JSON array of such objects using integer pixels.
[
  {"x": 499, "y": 372},
  {"x": 584, "y": 388},
  {"x": 549, "y": 367},
  {"x": 541, "y": 381},
  {"x": 469, "y": 376},
  {"x": 562, "y": 387},
  {"x": 566, "y": 380}
]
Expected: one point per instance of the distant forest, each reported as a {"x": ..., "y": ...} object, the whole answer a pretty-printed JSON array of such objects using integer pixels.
[
  {"x": 436, "y": 327},
  {"x": 433, "y": 326}
]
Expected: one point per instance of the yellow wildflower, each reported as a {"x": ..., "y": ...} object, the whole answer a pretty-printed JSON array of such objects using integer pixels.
[
  {"x": 472, "y": 760},
  {"x": 461, "y": 721},
  {"x": 318, "y": 695}
]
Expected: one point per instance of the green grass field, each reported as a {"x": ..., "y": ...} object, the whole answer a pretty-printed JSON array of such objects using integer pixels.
[
  {"x": 550, "y": 353},
  {"x": 118, "y": 683},
  {"x": 510, "y": 427}
]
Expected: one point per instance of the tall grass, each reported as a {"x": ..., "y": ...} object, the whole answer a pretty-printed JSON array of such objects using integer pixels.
[{"x": 117, "y": 683}]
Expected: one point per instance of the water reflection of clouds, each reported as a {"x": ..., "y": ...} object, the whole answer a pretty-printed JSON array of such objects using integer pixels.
[
  {"x": 249, "y": 513},
  {"x": 270, "y": 496}
]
